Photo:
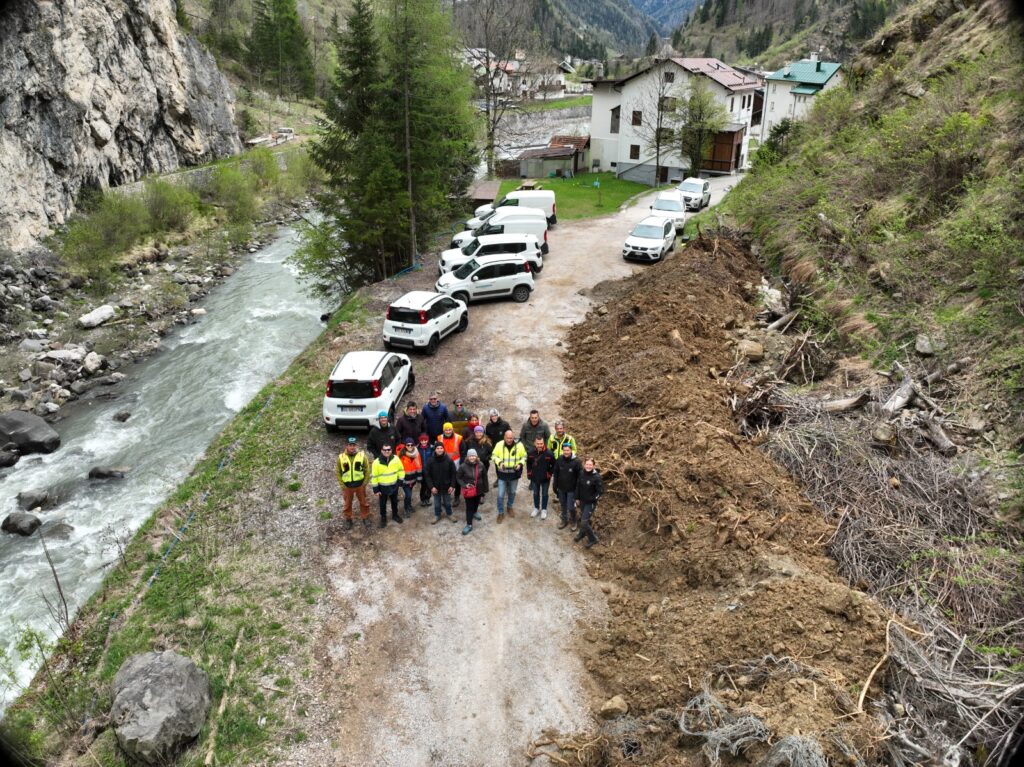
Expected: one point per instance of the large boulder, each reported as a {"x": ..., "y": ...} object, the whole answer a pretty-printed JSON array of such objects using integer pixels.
[
  {"x": 33, "y": 499},
  {"x": 97, "y": 316},
  {"x": 161, "y": 700},
  {"x": 29, "y": 432},
  {"x": 20, "y": 523},
  {"x": 108, "y": 472}
]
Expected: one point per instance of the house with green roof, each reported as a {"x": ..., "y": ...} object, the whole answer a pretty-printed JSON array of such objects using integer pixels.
[{"x": 789, "y": 93}]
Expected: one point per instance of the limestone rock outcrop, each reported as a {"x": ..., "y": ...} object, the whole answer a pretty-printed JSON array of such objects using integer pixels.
[{"x": 94, "y": 94}]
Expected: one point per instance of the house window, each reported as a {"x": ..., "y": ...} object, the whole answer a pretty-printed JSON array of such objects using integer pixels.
[
  {"x": 634, "y": 151},
  {"x": 638, "y": 117},
  {"x": 732, "y": 104},
  {"x": 670, "y": 77},
  {"x": 771, "y": 107},
  {"x": 615, "y": 120},
  {"x": 775, "y": 87}
]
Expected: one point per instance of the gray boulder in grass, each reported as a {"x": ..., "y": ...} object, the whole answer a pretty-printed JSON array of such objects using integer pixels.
[{"x": 161, "y": 700}]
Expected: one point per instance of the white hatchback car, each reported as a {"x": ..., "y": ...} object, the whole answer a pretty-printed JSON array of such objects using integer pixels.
[
  {"x": 650, "y": 240},
  {"x": 364, "y": 384},
  {"x": 670, "y": 205},
  {"x": 524, "y": 245},
  {"x": 489, "y": 277},
  {"x": 420, "y": 319}
]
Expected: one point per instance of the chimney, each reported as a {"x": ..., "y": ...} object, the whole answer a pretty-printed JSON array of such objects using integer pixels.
[
  {"x": 785, "y": 71},
  {"x": 814, "y": 56},
  {"x": 817, "y": 66}
]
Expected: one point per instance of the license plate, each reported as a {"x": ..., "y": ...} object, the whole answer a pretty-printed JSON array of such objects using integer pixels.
[
  {"x": 403, "y": 330},
  {"x": 350, "y": 408}
]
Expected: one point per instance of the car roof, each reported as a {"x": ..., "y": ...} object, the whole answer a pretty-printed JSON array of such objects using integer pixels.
[
  {"x": 515, "y": 210},
  {"x": 357, "y": 364},
  {"x": 497, "y": 258},
  {"x": 692, "y": 178},
  {"x": 416, "y": 299},
  {"x": 654, "y": 221},
  {"x": 518, "y": 194},
  {"x": 491, "y": 239},
  {"x": 670, "y": 195}
]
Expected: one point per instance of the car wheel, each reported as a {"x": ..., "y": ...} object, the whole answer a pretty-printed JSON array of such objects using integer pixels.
[
  {"x": 391, "y": 412},
  {"x": 537, "y": 269},
  {"x": 521, "y": 294},
  {"x": 463, "y": 322},
  {"x": 463, "y": 297},
  {"x": 431, "y": 347},
  {"x": 412, "y": 383}
]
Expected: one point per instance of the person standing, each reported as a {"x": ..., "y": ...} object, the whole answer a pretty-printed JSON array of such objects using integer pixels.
[
  {"x": 588, "y": 490},
  {"x": 435, "y": 414},
  {"x": 453, "y": 447},
  {"x": 440, "y": 477},
  {"x": 495, "y": 427},
  {"x": 382, "y": 434},
  {"x": 533, "y": 427},
  {"x": 540, "y": 462},
  {"x": 509, "y": 459},
  {"x": 472, "y": 477},
  {"x": 385, "y": 477},
  {"x": 471, "y": 425},
  {"x": 410, "y": 424},
  {"x": 564, "y": 479},
  {"x": 559, "y": 438},
  {"x": 478, "y": 441},
  {"x": 412, "y": 464},
  {"x": 426, "y": 452},
  {"x": 351, "y": 470},
  {"x": 459, "y": 412}
]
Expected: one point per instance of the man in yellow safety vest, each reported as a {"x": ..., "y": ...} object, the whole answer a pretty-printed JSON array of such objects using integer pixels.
[{"x": 351, "y": 470}]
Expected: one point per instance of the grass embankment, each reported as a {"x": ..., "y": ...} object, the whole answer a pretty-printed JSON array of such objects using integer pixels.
[
  {"x": 566, "y": 103},
  {"x": 578, "y": 197},
  {"x": 220, "y": 568}
]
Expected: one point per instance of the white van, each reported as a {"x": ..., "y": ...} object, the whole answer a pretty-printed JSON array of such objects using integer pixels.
[
  {"x": 489, "y": 277},
  {"x": 525, "y": 245},
  {"x": 510, "y": 221},
  {"x": 476, "y": 223},
  {"x": 542, "y": 199}
]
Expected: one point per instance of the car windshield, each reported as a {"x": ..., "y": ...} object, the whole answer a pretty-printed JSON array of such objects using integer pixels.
[
  {"x": 649, "y": 231},
  {"x": 470, "y": 247},
  {"x": 692, "y": 186},
  {"x": 487, "y": 216},
  {"x": 673, "y": 205},
  {"x": 466, "y": 269}
]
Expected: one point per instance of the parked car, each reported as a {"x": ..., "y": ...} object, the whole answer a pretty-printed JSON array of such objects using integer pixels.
[
  {"x": 650, "y": 240},
  {"x": 670, "y": 205},
  {"x": 509, "y": 221},
  {"x": 542, "y": 199},
  {"x": 525, "y": 245},
  {"x": 422, "y": 318},
  {"x": 696, "y": 193},
  {"x": 362, "y": 385},
  {"x": 489, "y": 277}
]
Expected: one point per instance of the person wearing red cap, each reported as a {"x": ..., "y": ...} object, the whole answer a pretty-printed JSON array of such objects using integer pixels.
[{"x": 425, "y": 451}]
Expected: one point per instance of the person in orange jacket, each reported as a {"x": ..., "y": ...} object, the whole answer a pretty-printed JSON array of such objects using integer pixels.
[
  {"x": 452, "y": 443},
  {"x": 413, "y": 465}
]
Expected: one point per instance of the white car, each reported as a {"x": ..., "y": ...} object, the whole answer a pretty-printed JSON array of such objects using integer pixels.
[
  {"x": 524, "y": 245},
  {"x": 670, "y": 205},
  {"x": 650, "y": 240},
  {"x": 509, "y": 221},
  {"x": 420, "y": 319},
  {"x": 364, "y": 384},
  {"x": 489, "y": 277},
  {"x": 541, "y": 199},
  {"x": 696, "y": 193}
]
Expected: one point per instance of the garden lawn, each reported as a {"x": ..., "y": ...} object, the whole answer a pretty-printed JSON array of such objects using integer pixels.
[
  {"x": 567, "y": 103},
  {"x": 578, "y": 198}
]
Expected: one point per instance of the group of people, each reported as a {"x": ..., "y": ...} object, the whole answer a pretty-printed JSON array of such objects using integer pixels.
[{"x": 423, "y": 449}]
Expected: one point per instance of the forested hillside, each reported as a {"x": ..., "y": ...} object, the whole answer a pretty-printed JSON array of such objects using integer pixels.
[
  {"x": 667, "y": 14},
  {"x": 770, "y": 32}
]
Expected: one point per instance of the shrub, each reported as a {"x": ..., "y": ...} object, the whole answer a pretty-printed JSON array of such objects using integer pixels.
[
  {"x": 263, "y": 164},
  {"x": 171, "y": 206},
  {"x": 232, "y": 188},
  {"x": 93, "y": 241}
]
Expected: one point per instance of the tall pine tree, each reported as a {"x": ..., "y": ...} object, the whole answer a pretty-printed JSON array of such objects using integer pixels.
[{"x": 278, "y": 49}]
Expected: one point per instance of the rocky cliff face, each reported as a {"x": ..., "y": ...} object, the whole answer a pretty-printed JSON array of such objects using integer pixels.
[{"x": 95, "y": 93}]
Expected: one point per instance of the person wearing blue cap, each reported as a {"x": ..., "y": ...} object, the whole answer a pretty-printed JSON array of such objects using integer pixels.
[
  {"x": 383, "y": 434},
  {"x": 352, "y": 470}
]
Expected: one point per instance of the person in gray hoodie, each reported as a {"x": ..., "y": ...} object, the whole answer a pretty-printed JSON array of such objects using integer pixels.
[{"x": 533, "y": 428}]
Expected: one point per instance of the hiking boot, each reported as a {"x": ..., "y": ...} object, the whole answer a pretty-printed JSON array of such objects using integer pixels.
[
  {"x": 467, "y": 529},
  {"x": 366, "y": 521},
  {"x": 543, "y": 513},
  {"x": 435, "y": 520},
  {"x": 511, "y": 514},
  {"x": 425, "y": 503},
  {"x": 451, "y": 518},
  {"x": 477, "y": 517},
  {"x": 408, "y": 513},
  {"x": 562, "y": 525},
  {"x": 578, "y": 537},
  {"x": 501, "y": 518},
  {"x": 397, "y": 518},
  {"x": 575, "y": 527},
  {"x": 383, "y": 521},
  {"x": 534, "y": 513},
  {"x": 590, "y": 544},
  {"x": 348, "y": 524}
]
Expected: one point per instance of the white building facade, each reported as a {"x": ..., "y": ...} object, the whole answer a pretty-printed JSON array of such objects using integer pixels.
[{"x": 789, "y": 93}]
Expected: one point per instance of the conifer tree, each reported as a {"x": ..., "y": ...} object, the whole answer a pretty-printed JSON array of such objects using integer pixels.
[{"x": 278, "y": 48}]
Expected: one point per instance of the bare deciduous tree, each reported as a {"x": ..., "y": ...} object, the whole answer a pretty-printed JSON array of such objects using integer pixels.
[{"x": 657, "y": 104}]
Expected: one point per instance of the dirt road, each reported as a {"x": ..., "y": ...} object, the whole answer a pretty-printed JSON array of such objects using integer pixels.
[{"x": 445, "y": 649}]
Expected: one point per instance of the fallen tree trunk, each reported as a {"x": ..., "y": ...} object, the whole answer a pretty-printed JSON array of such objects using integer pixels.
[
  {"x": 899, "y": 398},
  {"x": 846, "y": 404},
  {"x": 935, "y": 434},
  {"x": 782, "y": 323},
  {"x": 951, "y": 369}
]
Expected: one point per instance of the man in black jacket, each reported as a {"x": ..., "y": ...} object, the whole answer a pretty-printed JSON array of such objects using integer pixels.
[
  {"x": 496, "y": 427},
  {"x": 384, "y": 434},
  {"x": 539, "y": 464},
  {"x": 564, "y": 479},
  {"x": 439, "y": 476},
  {"x": 588, "y": 490},
  {"x": 410, "y": 424}
]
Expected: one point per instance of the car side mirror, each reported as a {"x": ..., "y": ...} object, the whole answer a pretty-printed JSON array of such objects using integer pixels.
[{"x": 475, "y": 278}]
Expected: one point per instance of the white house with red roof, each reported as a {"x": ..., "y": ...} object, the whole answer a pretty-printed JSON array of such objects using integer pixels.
[{"x": 625, "y": 116}]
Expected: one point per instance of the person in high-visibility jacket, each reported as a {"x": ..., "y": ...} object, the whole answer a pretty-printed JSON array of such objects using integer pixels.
[
  {"x": 352, "y": 470},
  {"x": 560, "y": 438},
  {"x": 413, "y": 466},
  {"x": 509, "y": 458},
  {"x": 453, "y": 447},
  {"x": 386, "y": 476}
]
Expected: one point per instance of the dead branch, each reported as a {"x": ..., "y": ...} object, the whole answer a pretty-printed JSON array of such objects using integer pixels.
[
  {"x": 782, "y": 323},
  {"x": 948, "y": 371},
  {"x": 900, "y": 398},
  {"x": 935, "y": 434},
  {"x": 847, "y": 403}
]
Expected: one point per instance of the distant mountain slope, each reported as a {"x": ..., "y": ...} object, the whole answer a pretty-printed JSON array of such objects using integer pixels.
[
  {"x": 667, "y": 14},
  {"x": 618, "y": 23}
]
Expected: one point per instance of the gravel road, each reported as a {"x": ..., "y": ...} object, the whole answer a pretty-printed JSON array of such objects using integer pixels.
[{"x": 445, "y": 649}]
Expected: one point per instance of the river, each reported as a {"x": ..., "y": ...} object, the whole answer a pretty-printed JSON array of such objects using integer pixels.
[{"x": 257, "y": 321}]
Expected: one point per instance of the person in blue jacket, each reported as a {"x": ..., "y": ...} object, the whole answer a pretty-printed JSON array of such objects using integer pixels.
[{"x": 435, "y": 415}]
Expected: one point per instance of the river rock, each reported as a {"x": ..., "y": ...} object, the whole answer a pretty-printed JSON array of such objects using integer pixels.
[
  {"x": 20, "y": 523},
  {"x": 752, "y": 350},
  {"x": 70, "y": 355},
  {"x": 122, "y": 415},
  {"x": 60, "y": 530},
  {"x": 93, "y": 363},
  {"x": 198, "y": 312},
  {"x": 614, "y": 707},
  {"x": 108, "y": 472},
  {"x": 97, "y": 316},
  {"x": 33, "y": 345},
  {"x": 29, "y": 432},
  {"x": 33, "y": 499},
  {"x": 8, "y": 458},
  {"x": 161, "y": 700},
  {"x": 924, "y": 346}
]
